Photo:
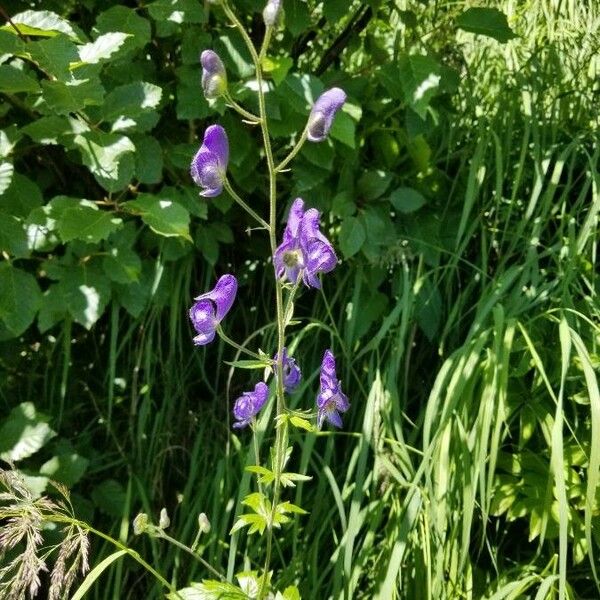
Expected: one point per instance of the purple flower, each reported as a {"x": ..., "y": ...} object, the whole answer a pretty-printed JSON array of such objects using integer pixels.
[
  {"x": 323, "y": 112},
  {"x": 305, "y": 250},
  {"x": 214, "y": 76},
  {"x": 291, "y": 371},
  {"x": 331, "y": 401},
  {"x": 209, "y": 166},
  {"x": 271, "y": 12},
  {"x": 210, "y": 309},
  {"x": 248, "y": 405}
]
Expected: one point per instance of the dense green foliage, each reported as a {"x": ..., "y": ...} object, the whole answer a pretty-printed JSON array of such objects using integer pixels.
[{"x": 460, "y": 186}]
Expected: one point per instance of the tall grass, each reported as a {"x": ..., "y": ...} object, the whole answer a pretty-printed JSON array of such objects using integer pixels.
[{"x": 469, "y": 467}]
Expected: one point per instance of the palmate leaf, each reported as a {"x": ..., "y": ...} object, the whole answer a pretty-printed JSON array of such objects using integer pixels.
[
  {"x": 162, "y": 215},
  {"x": 20, "y": 299}
]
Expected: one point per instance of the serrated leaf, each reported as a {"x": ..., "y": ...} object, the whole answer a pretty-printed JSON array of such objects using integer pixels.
[
  {"x": 44, "y": 23},
  {"x": 48, "y": 130},
  {"x": 301, "y": 423},
  {"x": 54, "y": 55},
  {"x": 148, "y": 159},
  {"x": 420, "y": 80},
  {"x": 288, "y": 507},
  {"x": 6, "y": 175},
  {"x": 131, "y": 100},
  {"x": 63, "y": 97},
  {"x": 102, "y": 48},
  {"x": 13, "y": 238},
  {"x": 87, "y": 224},
  {"x": 66, "y": 468},
  {"x": 20, "y": 298},
  {"x": 109, "y": 156},
  {"x": 254, "y": 521},
  {"x": 126, "y": 20},
  {"x": 352, "y": 236},
  {"x": 490, "y": 22},
  {"x": 13, "y": 80},
  {"x": 162, "y": 215},
  {"x": 122, "y": 265},
  {"x": 407, "y": 199},
  {"x": 23, "y": 433},
  {"x": 21, "y": 197}
]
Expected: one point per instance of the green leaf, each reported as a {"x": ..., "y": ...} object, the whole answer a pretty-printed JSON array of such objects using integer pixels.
[
  {"x": 91, "y": 577},
  {"x": 297, "y": 16},
  {"x": 13, "y": 239},
  {"x": 20, "y": 298},
  {"x": 407, "y": 199},
  {"x": 109, "y": 156},
  {"x": 23, "y": 433},
  {"x": 490, "y": 22},
  {"x": 6, "y": 175},
  {"x": 122, "y": 265},
  {"x": 374, "y": 184},
  {"x": 10, "y": 43},
  {"x": 66, "y": 468},
  {"x": 81, "y": 294},
  {"x": 288, "y": 507},
  {"x": 301, "y": 423},
  {"x": 344, "y": 129},
  {"x": 48, "y": 130},
  {"x": 55, "y": 55},
  {"x": 148, "y": 159},
  {"x": 21, "y": 197},
  {"x": 256, "y": 523},
  {"x": 343, "y": 204},
  {"x": 9, "y": 137},
  {"x": 126, "y": 20},
  {"x": 131, "y": 99},
  {"x": 249, "y": 364},
  {"x": 420, "y": 80},
  {"x": 162, "y": 215},
  {"x": 101, "y": 48},
  {"x": 176, "y": 11},
  {"x": 71, "y": 96},
  {"x": 43, "y": 23},
  {"x": 86, "y": 223},
  {"x": 109, "y": 496},
  {"x": 289, "y": 479},
  {"x": 277, "y": 67},
  {"x": 13, "y": 80}
]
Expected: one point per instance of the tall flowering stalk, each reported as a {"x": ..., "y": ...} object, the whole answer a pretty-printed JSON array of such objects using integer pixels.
[{"x": 302, "y": 256}]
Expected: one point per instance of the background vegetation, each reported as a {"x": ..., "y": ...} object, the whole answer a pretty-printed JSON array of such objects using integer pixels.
[{"x": 461, "y": 188}]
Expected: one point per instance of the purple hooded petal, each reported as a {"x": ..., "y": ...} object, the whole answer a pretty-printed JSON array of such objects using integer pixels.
[
  {"x": 331, "y": 401},
  {"x": 248, "y": 405},
  {"x": 214, "y": 76},
  {"x": 202, "y": 315},
  {"x": 271, "y": 12},
  {"x": 223, "y": 295},
  {"x": 323, "y": 112},
  {"x": 215, "y": 139},
  {"x": 291, "y": 372},
  {"x": 288, "y": 260},
  {"x": 295, "y": 217},
  {"x": 209, "y": 165},
  {"x": 319, "y": 255}
]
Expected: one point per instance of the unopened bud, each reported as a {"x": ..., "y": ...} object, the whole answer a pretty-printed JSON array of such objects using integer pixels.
[
  {"x": 214, "y": 76},
  {"x": 163, "y": 520},
  {"x": 140, "y": 524},
  {"x": 271, "y": 12},
  {"x": 203, "y": 523}
]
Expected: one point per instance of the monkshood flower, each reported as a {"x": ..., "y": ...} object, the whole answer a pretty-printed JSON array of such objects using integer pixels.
[
  {"x": 248, "y": 405},
  {"x": 209, "y": 166},
  {"x": 291, "y": 371},
  {"x": 331, "y": 401},
  {"x": 305, "y": 250},
  {"x": 214, "y": 76},
  {"x": 210, "y": 309},
  {"x": 323, "y": 112},
  {"x": 271, "y": 12}
]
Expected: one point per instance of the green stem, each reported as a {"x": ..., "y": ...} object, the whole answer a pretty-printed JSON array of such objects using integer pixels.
[
  {"x": 251, "y": 212},
  {"x": 246, "y": 114},
  {"x": 293, "y": 151},
  {"x": 65, "y": 519},
  {"x": 229, "y": 341},
  {"x": 165, "y": 536},
  {"x": 279, "y": 431}
]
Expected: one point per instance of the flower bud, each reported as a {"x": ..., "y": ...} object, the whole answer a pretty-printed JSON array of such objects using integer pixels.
[
  {"x": 214, "y": 76},
  {"x": 163, "y": 520},
  {"x": 271, "y": 12},
  {"x": 140, "y": 524},
  {"x": 323, "y": 112},
  {"x": 203, "y": 523}
]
